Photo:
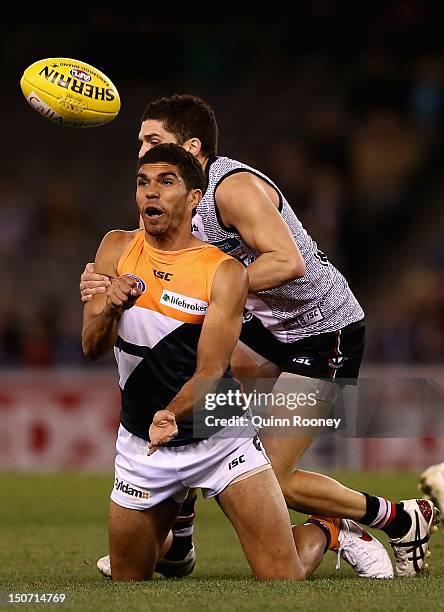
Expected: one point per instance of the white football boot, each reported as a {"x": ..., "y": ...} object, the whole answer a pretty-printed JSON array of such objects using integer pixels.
[
  {"x": 366, "y": 555},
  {"x": 412, "y": 550},
  {"x": 104, "y": 566},
  {"x": 431, "y": 484},
  {"x": 170, "y": 569}
]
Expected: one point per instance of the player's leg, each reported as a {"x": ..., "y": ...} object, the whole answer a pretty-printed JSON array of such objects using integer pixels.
[
  {"x": 315, "y": 493},
  {"x": 257, "y": 511},
  {"x": 179, "y": 557},
  {"x": 136, "y": 538},
  {"x": 307, "y": 491},
  {"x": 256, "y": 372}
]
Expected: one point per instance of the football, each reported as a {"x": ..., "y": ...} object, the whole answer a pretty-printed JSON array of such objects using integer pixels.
[{"x": 70, "y": 93}]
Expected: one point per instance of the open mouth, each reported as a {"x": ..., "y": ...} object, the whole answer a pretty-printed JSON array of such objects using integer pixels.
[{"x": 153, "y": 212}]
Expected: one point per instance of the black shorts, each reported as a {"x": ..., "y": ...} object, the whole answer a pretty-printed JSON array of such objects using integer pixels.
[{"x": 332, "y": 355}]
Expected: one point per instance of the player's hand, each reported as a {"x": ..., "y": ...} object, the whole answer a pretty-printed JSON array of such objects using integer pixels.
[
  {"x": 122, "y": 294},
  {"x": 92, "y": 283},
  {"x": 162, "y": 430}
]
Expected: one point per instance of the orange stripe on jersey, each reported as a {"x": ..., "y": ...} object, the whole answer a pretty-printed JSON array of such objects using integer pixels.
[{"x": 176, "y": 283}]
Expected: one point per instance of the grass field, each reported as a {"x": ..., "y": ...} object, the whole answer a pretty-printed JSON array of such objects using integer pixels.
[{"x": 53, "y": 528}]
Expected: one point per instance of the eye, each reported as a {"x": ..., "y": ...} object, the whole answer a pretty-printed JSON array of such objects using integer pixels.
[
  {"x": 141, "y": 181},
  {"x": 166, "y": 181}
]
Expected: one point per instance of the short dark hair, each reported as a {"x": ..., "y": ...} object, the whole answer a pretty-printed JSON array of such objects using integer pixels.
[
  {"x": 189, "y": 168},
  {"x": 186, "y": 117}
]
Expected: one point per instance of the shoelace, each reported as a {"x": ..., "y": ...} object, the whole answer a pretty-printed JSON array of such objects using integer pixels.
[{"x": 349, "y": 554}]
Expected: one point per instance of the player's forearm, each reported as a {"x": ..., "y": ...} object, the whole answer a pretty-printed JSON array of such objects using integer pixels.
[
  {"x": 194, "y": 391},
  {"x": 272, "y": 270},
  {"x": 99, "y": 334}
]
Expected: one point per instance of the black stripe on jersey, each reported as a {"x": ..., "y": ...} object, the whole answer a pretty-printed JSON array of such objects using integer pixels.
[
  {"x": 158, "y": 378},
  {"x": 131, "y": 349},
  {"x": 236, "y": 171}
]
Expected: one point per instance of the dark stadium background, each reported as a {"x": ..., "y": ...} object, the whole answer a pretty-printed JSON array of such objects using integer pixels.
[
  {"x": 342, "y": 104},
  {"x": 343, "y": 107}
]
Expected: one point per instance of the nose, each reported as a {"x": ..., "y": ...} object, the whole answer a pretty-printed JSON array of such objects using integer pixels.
[
  {"x": 144, "y": 148},
  {"x": 152, "y": 193}
]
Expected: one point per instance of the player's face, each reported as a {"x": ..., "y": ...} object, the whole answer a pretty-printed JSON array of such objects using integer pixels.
[
  {"x": 163, "y": 199},
  {"x": 151, "y": 134}
]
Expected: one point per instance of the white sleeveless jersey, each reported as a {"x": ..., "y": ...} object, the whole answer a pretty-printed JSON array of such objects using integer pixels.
[{"x": 321, "y": 301}]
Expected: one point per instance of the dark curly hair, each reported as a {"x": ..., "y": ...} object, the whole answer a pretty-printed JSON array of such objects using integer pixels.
[{"x": 189, "y": 168}]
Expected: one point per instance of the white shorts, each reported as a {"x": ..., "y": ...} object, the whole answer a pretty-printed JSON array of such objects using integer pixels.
[{"x": 142, "y": 482}]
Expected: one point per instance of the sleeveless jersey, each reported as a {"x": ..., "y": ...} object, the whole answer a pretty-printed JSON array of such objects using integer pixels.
[
  {"x": 321, "y": 301},
  {"x": 156, "y": 348}
]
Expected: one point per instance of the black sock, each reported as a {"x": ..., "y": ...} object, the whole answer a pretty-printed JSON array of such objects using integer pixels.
[
  {"x": 371, "y": 509},
  {"x": 182, "y": 531},
  {"x": 388, "y": 516}
]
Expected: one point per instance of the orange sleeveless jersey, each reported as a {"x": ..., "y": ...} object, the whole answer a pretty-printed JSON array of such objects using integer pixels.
[{"x": 156, "y": 348}]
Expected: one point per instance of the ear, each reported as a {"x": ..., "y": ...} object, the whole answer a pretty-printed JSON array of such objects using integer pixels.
[
  {"x": 193, "y": 145},
  {"x": 194, "y": 197}
]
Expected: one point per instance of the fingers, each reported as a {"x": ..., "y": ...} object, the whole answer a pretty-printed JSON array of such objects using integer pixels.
[
  {"x": 152, "y": 448},
  {"x": 92, "y": 283}
]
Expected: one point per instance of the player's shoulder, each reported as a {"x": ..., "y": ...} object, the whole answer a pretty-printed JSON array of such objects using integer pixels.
[
  {"x": 230, "y": 280},
  {"x": 117, "y": 237},
  {"x": 114, "y": 244},
  {"x": 232, "y": 268}
]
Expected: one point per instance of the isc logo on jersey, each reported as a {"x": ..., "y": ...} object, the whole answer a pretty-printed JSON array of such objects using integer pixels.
[{"x": 183, "y": 302}]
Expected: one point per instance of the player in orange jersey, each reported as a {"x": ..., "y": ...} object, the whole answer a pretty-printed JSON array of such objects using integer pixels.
[{"x": 173, "y": 335}]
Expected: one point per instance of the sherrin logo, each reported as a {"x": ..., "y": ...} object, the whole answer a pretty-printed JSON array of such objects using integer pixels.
[
  {"x": 81, "y": 75},
  {"x": 77, "y": 86},
  {"x": 183, "y": 303}
]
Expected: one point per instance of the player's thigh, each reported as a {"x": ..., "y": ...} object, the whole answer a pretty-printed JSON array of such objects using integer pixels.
[
  {"x": 136, "y": 537},
  {"x": 298, "y": 402},
  {"x": 256, "y": 372},
  {"x": 257, "y": 511}
]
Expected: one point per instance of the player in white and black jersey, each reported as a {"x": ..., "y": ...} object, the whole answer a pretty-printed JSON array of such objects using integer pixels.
[{"x": 304, "y": 322}]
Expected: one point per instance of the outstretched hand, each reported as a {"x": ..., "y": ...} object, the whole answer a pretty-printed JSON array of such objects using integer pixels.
[{"x": 162, "y": 430}]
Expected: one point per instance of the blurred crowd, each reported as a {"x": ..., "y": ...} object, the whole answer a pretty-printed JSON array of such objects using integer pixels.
[{"x": 347, "y": 120}]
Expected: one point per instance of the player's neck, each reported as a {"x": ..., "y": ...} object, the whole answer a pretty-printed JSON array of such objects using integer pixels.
[
  {"x": 202, "y": 160},
  {"x": 177, "y": 239}
]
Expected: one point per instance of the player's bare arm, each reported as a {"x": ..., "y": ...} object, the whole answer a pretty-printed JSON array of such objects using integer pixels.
[
  {"x": 246, "y": 202},
  {"x": 101, "y": 315},
  {"x": 219, "y": 335}
]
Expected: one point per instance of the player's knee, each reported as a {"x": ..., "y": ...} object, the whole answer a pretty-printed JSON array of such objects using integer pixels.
[
  {"x": 283, "y": 571},
  {"x": 123, "y": 571},
  {"x": 288, "y": 482}
]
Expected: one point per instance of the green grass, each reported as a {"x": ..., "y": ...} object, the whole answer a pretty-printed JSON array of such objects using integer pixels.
[{"x": 53, "y": 528}]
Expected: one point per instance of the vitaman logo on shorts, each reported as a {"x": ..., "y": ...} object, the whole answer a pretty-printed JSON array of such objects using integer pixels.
[
  {"x": 183, "y": 302},
  {"x": 124, "y": 487}
]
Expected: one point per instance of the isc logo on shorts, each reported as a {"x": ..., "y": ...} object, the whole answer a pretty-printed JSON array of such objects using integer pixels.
[
  {"x": 126, "y": 488},
  {"x": 235, "y": 462}
]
